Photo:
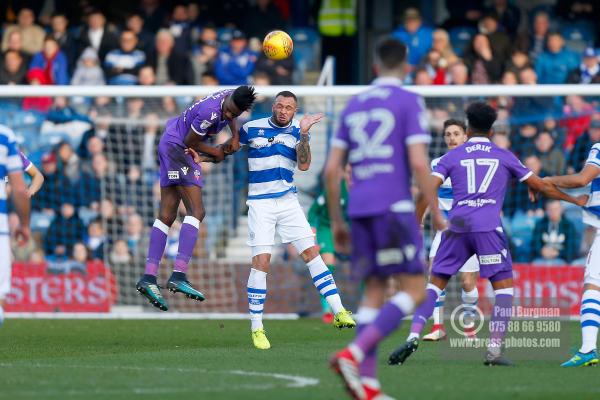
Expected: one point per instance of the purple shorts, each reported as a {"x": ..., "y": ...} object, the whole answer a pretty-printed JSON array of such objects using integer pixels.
[
  {"x": 177, "y": 168},
  {"x": 387, "y": 244},
  {"x": 491, "y": 248}
]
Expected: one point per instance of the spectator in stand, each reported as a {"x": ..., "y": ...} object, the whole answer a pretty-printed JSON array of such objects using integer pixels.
[
  {"x": 209, "y": 79},
  {"x": 135, "y": 24},
  {"x": 153, "y": 14},
  {"x": 64, "y": 38},
  {"x": 113, "y": 222},
  {"x": 235, "y": 63},
  {"x": 97, "y": 35},
  {"x": 37, "y": 76},
  {"x": 436, "y": 66},
  {"x": 578, "y": 10},
  {"x": 49, "y": 198},
  {"x": 552, "y": 158},
  {"x": 92, "y": 146},
  {"x": 553, "y": 65},
  {"x": 484, "y": 66},
  {"x": 88, "y": 71},
  {"x": 119, "y": 255},
  {"x": 533, "y": 41},
  {"x": 170, "y": 66},
  {"x": 262, "y": 18},
  {"x": 69, "y": 162},
  {"x": 64, "y": 231},
  {"x": 588, "y": 71},
  {"x": 53, "y": 62},
  {"x": 441, "y": 43},
  {"x": 13, "y": 69},
  {"x": 555, "y": 240},
  {"x": 280, "y": 72},
  {"x": 415, "y": 35},
  {"x": 499, "y": 41},
  {"x": 459, "y": 74},
  {"x": 558, "y": 133},
  {"x": 421, "y": 77},
  {"x": 582, "y": 146},
  {"x": 508, "y": 16},
  {"x": 519, "y": 195},
  {"x": 530, "y": 109},
  {"x": 32, "y": 35},
  {"x": 576, "y": 117},
  {"x": 65, "y": 120},
  {"x": 523, "y": 140},
  {"x": 81, "y": 256},
  {"x": 122, "y": 65},
  {"x": 136, "y": 238},
  {"x": 181, "y": 29},
  {"x": 95, "y": 240},
  {"x": 518, "y": 62},
  {"x": 15, "y": 43},
  {"x": 204, "y": 59}
]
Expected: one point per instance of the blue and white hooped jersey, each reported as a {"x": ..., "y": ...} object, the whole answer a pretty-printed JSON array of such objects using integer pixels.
[
  {"x": 445, "y": 197},
  {"x": 591, "y": 212},
  {"x": 271, "y": 157},
  {"x": 10, "y": 161}
]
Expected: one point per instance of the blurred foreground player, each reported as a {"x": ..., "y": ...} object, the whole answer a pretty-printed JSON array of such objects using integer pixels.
[
  {"x": 11, "y": 167},
  {"x": 383, "y": 135},
  {"x": 181, "y": 180}
]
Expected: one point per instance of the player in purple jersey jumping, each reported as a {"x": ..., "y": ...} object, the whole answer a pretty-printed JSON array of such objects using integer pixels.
[
  {"x": 480, "y": 172},
  {"x": 181, "y": 180},
  {"x": 383, "y": 135}
]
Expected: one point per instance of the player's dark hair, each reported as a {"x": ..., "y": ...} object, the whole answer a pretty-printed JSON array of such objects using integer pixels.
[
  {"x": 481, "y": 117},
  {"x": 457, "y": 122},
  {"x": 243, "y": 97},
  {"x": 390, "y": 52},
  {"x": 287, "y": 93}
]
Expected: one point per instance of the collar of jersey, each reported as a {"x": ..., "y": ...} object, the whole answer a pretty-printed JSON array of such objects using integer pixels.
[
  {"x": 387, "y": 80},
  {"x": 479, "y": 140},
  {"x": 279, "y": 127}
]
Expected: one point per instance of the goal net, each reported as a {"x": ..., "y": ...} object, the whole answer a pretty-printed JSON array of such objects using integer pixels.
[{"x": 96, "y": 147}]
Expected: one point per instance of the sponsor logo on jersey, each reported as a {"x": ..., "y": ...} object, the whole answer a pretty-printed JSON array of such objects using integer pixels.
[
  {"x": 173, "y": 175},
  {"x": 205, "y": 124},
  {"x": 490, "y": 259},
  {"x": 271, "y": 139},
  {"x": 184, "y": 170},
  {"x": 197, "y": 174}
]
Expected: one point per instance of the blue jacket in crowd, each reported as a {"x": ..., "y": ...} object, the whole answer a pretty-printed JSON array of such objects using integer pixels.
[
  {"x": 555, "y": 67},
  {"x": 234, "y": 69},
  {"x": 60, "y": 67},
  {"x": 418, "y": 43}
]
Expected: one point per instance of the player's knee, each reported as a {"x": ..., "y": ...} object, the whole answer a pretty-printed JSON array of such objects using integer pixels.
[
  {"x": 468, "y": 281},
  {"x": 200, "y": 214},
  {"x": 167, "y": 218},
  {"x": 261, "y": 262},
  {"x": 310, "y": 254}
]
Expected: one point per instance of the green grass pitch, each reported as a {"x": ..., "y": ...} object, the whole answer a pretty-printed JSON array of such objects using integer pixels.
[{"x": 115, "y": 359}]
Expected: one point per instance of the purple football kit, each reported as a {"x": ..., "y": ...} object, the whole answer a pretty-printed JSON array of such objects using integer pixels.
[
  {"x": 376, "y": 128},
  {"x": 480, "y": 172},
  {"x": 205, "y": 118},
  {"x": 26, "y": 163}
]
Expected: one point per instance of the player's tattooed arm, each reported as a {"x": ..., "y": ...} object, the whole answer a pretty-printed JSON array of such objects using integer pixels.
[{"x": 303, "y": 151}]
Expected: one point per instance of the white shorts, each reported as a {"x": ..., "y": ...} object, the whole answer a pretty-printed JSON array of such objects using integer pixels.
[
  {"x": 5, "y": 266},
  {"x": 283, "y": 214},
  {"x": 472, "y": 264},
  {"x": 592, "y": 266}
]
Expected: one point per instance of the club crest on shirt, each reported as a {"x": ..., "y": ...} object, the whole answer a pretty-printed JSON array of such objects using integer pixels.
[
  {"x": 184, "y": 170},
  {"x": 213, "y": 116},
  {"x": 173, "y": 175},
  {"x": 197, "y": 174},
  {"x": 205, "y": 124},
  {"x": 261, "y": 132}
]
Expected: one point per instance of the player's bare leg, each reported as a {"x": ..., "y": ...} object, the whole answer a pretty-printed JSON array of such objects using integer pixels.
[
  {"x": 325, "y": 284},
  {"x": 438, "y": 332},
  {"x": 147, "y": 285},
  {"x": 257, "y": 294},
  {"x": 188, "y": 236}
]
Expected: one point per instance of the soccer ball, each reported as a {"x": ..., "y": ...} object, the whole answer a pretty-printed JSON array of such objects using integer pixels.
[{"x": 278, "y": 45}]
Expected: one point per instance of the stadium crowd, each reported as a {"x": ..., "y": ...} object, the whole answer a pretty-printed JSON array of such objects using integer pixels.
[{"x": 98, "y": 155}]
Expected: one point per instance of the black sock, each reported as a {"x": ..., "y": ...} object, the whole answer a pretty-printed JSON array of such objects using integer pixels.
[{"x": 149, "y": 278}]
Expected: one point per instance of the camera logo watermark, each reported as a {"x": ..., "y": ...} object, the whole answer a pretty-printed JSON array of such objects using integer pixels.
[{"x": 467, "y": 320}]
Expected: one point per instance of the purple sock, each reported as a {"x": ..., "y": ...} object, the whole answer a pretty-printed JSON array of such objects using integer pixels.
[
  {"x": 500, "y": 318},
  {"x": 368, "y": 366},
  {"x": 187, "y": 240},
  {"x": 424, "y": 311},
  {"x": 389, "y": 318},
  {"x": 156, "y": 248}
]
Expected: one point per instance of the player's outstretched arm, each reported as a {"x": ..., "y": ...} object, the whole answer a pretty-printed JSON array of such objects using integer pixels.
[
  {"x": 37, "y": 180},
  {"x": 303, "y": 147},
  {"x": 333, "y": 176},
  {"x": 232, "y": 144},
  {"x": 581, "y": 179},
  {"x": 537, "y": 184}
]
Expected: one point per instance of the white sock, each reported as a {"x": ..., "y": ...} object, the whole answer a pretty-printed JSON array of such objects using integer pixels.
[
  {"x": 469, "y": 300},
  {"x": 325, "y": 284},
  {"x": 438, "y": 311},
  {"x": 590, "y": 319},
  {"x": 257, "y": 293}
]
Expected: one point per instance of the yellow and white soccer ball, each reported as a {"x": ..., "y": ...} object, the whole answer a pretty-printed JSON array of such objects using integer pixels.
[{"x": 278, "y": 45}]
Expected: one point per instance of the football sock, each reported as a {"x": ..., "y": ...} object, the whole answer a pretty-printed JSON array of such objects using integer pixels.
[
  {"x": 590, "y": 319},
  {"x": 324, "y": 305},
  {"x": 501, "y": 316},
  {"x": 187, "y": 240},
  {"x": 424, "y": 311},
  {"x": 469, "y": 302},
  {"x": 156, "y": 248},
  {"x": 438, "y": 311},
  {"x": 257, "y": 293},
  {"x": 364, "y": 317},
  {"x": 325, "y": 284}
]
